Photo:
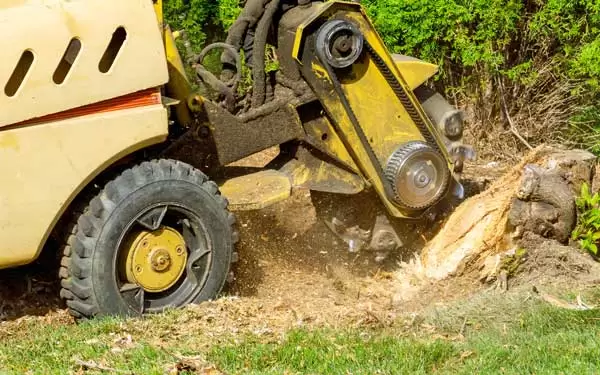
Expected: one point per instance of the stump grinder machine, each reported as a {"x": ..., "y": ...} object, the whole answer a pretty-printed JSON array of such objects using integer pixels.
[{"x": 110, "y": 153}]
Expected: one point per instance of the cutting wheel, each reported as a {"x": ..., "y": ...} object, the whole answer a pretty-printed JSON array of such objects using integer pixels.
[{"x": 419, "y": 176}]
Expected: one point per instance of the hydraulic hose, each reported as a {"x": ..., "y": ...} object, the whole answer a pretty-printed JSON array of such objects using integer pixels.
[
  {"x": 229, "y": 49},
  {"x": 237, "y": 33},
  {"x": 227, "y": 89},
  {"x": 260, "y": 45}
]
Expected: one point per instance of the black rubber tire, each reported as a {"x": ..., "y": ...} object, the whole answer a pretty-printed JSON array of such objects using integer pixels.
[{"x": 88, "y": 265}]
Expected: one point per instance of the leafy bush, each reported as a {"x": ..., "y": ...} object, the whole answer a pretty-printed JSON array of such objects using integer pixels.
[
  {"x": 196, "y": 17},
  {"x": 204, "y": 21},
  {"x": 229, "y": 10},
  {"x": 587, "y": 232}
]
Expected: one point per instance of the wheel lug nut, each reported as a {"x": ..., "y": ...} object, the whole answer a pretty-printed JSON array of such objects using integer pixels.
[
  {"x": 139, "y": 269},
  {"x": 179, "y": 250}
]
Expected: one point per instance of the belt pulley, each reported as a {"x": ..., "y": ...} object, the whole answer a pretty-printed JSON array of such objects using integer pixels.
[{"x": 339, "y": 45}]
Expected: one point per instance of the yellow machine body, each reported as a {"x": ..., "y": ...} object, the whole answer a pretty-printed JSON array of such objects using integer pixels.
[{"x": 56, "y": 138}]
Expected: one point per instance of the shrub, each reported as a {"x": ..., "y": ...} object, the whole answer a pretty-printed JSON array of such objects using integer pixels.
[
  {"x": 587, "y": 232},
  {"x": 196, "y": 17}
]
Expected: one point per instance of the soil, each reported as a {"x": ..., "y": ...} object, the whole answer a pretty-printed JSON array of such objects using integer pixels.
[{"x": 293, "y": 272}]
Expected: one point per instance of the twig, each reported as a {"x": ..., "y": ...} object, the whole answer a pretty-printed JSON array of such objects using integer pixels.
[
  {"x": 91, "y": 365},
  {"x": 463, "y": 327},
  {"x": 513, "y": 128},
  {"x": 372, "y": 315},
  {"x": 556, "y": 302},
  {"x": 583, "y": 304},
  {"x": 503, "y": 281},
  {"x": 413, "y": 320}
]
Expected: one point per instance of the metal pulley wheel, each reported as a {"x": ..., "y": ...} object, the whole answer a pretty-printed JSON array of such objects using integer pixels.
[
  {"x": 339, "y": 43},
  {"x": 419, "y": 176}
]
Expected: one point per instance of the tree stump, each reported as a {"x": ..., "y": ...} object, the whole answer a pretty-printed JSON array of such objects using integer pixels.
[{"x": 537, "y": 195}]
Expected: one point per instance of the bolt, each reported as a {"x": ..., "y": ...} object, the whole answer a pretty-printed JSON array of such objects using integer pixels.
[
  {"x": 343, "y": 44},
  {"x": 179, "y": 250},
  {"x": 204, "y": 132}
]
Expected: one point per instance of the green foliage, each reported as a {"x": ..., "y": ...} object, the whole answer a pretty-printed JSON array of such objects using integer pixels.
[
  {"x": 489, "y": 36},
  {"x": 193, "y": 16},
  {"x": 271, "y": 62},
  {"x": 204, "y": 21},
  {"x": 520, "y": 52},
  {"x": 574, "y": 25},
  {"x": 229, "y": 10},
  {"x": 465, "y": 32},
  {"x": 587, "y": 231},
  {"x": 489, "y": 33}
]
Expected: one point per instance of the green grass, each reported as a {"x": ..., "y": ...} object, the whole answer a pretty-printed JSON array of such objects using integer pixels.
[
  {"x": 545, "y": 341},
  {"x": 541, "y": 340},
  {"x": 42, "y": 349},
  {"x": 324, "y": 352}
]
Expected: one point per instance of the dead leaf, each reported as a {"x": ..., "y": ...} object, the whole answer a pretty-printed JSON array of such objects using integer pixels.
[
  {"x": 194, "y": 365},
  {"x": 125, "y": 342},
  {"x": 92, "y": 365},
  {"x": 466, "y": 354}
]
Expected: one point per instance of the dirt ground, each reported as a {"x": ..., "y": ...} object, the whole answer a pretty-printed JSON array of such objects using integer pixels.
[{"x": 293, "y": 272}]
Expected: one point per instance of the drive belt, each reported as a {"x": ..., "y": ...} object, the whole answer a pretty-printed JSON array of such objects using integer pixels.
[
  {"x": 356, "y": 125},
  {"x": 401, "y": 94}
]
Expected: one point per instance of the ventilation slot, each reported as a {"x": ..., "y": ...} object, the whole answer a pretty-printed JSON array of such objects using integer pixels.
[
  {"x": 18, "y": 76},
  {"x": 113, "y": 49},
  {"x": 67, "y": 61}
]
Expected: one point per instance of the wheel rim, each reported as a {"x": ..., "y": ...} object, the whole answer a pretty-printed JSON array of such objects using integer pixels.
[
  {"x": 156, "y": 260},
  {"x": 153, "y": 273}
]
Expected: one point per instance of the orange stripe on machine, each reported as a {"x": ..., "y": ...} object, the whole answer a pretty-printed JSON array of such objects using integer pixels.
[{"x": 137, "y": 99}]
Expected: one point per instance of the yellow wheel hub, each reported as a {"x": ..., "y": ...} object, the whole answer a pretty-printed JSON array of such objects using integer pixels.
[{"x": 156, "y": 260}]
